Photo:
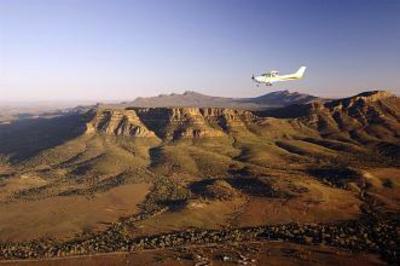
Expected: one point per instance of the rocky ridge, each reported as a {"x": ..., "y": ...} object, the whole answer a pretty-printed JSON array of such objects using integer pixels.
[
  {"x": 366, "y": 117},
  {"x": 168, "y": 123}
]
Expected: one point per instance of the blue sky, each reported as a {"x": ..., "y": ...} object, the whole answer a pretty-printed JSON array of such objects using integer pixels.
[{"x": 118, "y": 50}]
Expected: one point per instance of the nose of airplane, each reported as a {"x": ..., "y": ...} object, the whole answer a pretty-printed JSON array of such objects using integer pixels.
[{"x": 252, "y": 76}]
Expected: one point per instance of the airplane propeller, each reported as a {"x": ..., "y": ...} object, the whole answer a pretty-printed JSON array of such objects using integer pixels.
[{"x": 252, "y": 77}]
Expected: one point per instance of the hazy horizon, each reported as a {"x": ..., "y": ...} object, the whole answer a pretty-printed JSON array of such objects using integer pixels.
[
  {"x": 71, "y": 50},
  {"x": 76, "y": 102}
]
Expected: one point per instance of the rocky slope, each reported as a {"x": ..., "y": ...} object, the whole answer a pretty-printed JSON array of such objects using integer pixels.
[{"x": 367, "y": 117}]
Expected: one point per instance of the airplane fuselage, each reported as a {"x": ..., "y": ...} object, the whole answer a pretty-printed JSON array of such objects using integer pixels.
[
  {"x": 270, "y": 80},
  {"x": 273, "y": 77}
]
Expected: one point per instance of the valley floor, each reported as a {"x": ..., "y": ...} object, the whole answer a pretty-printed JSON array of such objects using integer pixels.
[{"x": 243, "y": 253}]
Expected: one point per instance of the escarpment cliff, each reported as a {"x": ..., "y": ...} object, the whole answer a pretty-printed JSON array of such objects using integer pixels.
[
  {"x": 118, "y": 122},
  {"x": 169, "y": 123}
]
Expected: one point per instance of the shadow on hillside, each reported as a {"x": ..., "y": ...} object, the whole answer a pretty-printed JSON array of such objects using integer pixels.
[
  {"x": 336, "y": 176},
  {"x": 155, "y": 156},
  {"x": 290, "y": 111},
  {"x": 154, "y": 119},
  {"x": 248, "y": 185},
  {"x": 25, "y": 138}
]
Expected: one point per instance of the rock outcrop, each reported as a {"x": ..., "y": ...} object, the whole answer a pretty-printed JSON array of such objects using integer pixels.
[
  {"x": 118, "y": 122},
  {"x": 169, "y": 123}
]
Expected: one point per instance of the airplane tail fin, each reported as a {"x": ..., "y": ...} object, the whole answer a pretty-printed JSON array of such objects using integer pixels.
[{"x": 299, "y": 74}]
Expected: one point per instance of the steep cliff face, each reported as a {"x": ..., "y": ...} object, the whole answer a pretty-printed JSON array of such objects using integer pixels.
[
  {"x": 169, "y": 123},
  {"x": 118, "y": 122}
]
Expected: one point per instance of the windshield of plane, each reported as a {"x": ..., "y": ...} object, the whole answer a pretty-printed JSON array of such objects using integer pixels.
[{"x": 270, "y": 74}]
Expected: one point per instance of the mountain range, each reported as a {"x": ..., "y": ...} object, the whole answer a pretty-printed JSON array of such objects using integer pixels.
[
  {"x": 194, "y": 99},
  {"x": 155, "y": 173}
]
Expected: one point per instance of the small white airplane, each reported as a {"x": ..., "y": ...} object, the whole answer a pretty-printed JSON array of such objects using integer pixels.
[{"x": 273, "y": 76}]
